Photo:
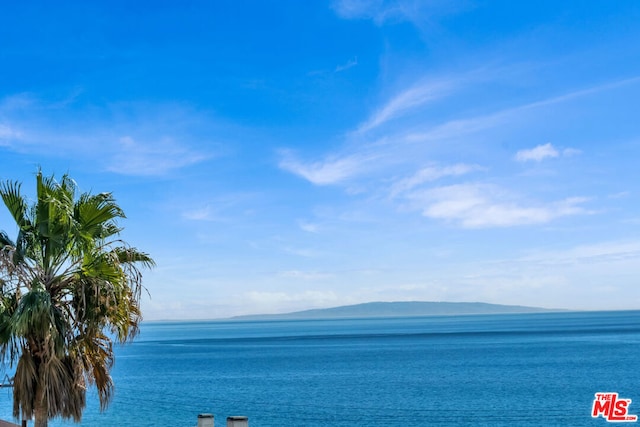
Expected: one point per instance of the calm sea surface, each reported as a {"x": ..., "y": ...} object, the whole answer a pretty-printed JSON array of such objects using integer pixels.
[{"x": 485, "y": 370}]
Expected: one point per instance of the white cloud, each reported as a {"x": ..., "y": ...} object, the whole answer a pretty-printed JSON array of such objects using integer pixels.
[
  {"x": 128, "y": 138},
  {"x": 597, "y": 253},
  {"x": 407, "y": 100},
  {"x": 456, "y": 128},
  {"x": 8, "y": 133},
  {"x": 417, "y": 12},
  {"x": 425, "y": 91},
  {"x": 284, "y": 301},
  {"x": 403, "y": 147},
  {"x": 330, "y": 171},
  {"x": 201, "y": 214},
  {"x": 569, "y": 152},
  {"x": 432, "y": 173},
  {"x": 158, "y": 157},
  {"x": 620, "y": 195},
  {"x": 537, "y": 153},
  {"x": 397, "y": 146},
  {"x": 544, "y": 151},
  {"x": 349, "y": 64},
  {"x": 484, "y": 206},
  {"x": 305, "y": 275},
  {"x": 378, "y": 10},
  {"x": 309, "y": 227},
  {"x": 214, "y": 207},
  {"x": 302, "y": 252},
  {"x": 17, "y": 102}
]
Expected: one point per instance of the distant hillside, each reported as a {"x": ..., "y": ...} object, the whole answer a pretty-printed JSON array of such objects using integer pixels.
[{"x": 398, "y": 309}]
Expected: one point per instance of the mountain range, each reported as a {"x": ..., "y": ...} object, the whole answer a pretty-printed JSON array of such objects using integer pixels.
[{"x": 398, "y": 309}]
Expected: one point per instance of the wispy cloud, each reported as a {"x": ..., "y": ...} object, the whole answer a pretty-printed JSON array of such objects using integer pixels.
[
  {"x": 201, "y": 214},
  {"x": 569, "y": 152},
  {"x": 332, "y": 170},
  {"x": 18, "y": 101},
  {"x": 309, "y": 227},
  {"x": 362, "y": 157},
  {"x": 305, "y": 275},
  {"x": 404, "y": 145},
  {"x": 220, "y": 208},
  {"x": 432, "y": 173},
  {"x": 301, "y": 252},
  {"x": 484, "y": 205},
  {"x": 349, "y": 64},
  {"x": 280, "y": 301},
  {"x": 620, "y": 195},
  {"x": 157, "y": 157},
  {"x": 602, "y": 252},
  {"x": 544, "y": 151},
  {"x": 537, "y": 153},
  {"x": 130, "y": 139},
  {"x": 457, "y": 127},
  {"x": 383, "y": 11},
  {"x": 416, "y": 96},
  {"x": 378, "y": 10},
  {"x": 8, "y": 134}
]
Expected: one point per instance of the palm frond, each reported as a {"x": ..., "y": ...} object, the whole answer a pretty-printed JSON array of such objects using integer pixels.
[
  {"x": 5, "y": 240},
  {"x": 25, "y": 382},
  {"x": 15, "y": 203}
]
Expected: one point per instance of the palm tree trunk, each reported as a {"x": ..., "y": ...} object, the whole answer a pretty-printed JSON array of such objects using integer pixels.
[{"x": 41, "y": 411}]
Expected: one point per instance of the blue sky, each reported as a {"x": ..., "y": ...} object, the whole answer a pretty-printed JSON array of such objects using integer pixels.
[{"x": 279, "y": 156}]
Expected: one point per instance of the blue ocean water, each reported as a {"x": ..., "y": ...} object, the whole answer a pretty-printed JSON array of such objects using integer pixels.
[{"x": 484, "y": 370}]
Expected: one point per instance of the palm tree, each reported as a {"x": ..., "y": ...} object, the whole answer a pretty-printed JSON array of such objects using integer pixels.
[{"x": 69, "y": 288}]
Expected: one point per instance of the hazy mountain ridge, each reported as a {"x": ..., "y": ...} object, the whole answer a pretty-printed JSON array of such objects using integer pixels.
[{"x": 398, "y": 309}]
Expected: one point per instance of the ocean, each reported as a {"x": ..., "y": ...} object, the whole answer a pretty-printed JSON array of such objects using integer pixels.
[{"x": 477, "y": 370}]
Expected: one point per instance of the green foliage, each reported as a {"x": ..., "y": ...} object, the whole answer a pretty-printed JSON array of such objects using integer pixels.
[{"x": 67, "y": 284}]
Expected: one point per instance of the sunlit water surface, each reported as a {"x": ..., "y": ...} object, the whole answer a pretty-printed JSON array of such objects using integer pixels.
[{"x": 493, "y": 370}]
